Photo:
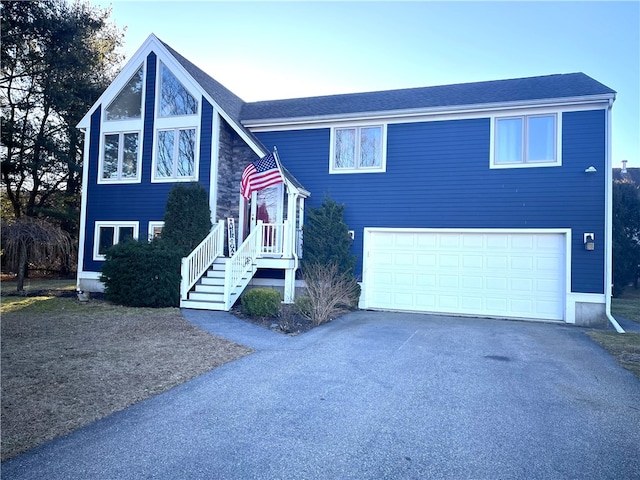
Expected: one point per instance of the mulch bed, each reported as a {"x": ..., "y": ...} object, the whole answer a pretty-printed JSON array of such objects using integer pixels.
[{"x": 287, "y": 322}]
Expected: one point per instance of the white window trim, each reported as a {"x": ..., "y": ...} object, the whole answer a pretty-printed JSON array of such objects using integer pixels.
[
  {"x": 178, "y": 122},
  {"x": 138, "y": 121},
  {"x": 196, "y": 157},
  {"x": 558, "y": 146},
  {"x": 187, "y": 118},
  {"x": 119, "y": 180},
  {"x": 153, "y": 225},
  {"x": 383, "y": 161},
  {"x": 116, "y": 237}
]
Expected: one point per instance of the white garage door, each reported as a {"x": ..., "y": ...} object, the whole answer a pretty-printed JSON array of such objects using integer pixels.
[{"x": 515, "y": 274}]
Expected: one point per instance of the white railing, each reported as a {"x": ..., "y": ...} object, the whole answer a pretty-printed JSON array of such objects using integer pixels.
[
  {"x": 272, "y": 238},
  {"x": 242, "y": 263},
  {"x": 201, "y": 258}
]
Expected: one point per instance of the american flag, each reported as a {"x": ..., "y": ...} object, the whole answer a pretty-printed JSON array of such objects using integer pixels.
[{"x": 259, "y": 175}]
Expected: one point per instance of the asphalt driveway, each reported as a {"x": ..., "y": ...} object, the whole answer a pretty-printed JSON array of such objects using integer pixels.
[{"x": 374, "y": 396}]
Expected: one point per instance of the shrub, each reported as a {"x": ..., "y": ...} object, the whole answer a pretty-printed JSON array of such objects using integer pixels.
[
  {"x": 142, "y": 274},
  {"x": 304, "y": 306},
  {"x": 187, "y": 217},
  {"x": 330, "y": 293},
  {"x": 261, "y": 302}
]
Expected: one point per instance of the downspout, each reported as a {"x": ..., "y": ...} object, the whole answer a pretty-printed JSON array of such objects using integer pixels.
[{"x": 608, "y": 259}]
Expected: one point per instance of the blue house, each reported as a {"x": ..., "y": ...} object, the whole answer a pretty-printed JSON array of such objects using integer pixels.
[{"x": 480, "y": 199}]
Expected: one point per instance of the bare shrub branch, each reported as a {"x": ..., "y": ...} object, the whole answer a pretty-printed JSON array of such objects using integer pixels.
[{"x": 331, "y": 293}]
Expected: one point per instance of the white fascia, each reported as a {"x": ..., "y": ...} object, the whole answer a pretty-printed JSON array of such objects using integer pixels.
[
  {"x": 83, "y": 206},
  {"x": 137, "y": 59},
  {"x": 597, "y": 101}
]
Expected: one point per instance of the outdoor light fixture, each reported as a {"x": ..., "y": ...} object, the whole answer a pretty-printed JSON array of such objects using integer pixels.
[
  {"x": 589, "y": 244},
  {"x": 591, "y": 169}
]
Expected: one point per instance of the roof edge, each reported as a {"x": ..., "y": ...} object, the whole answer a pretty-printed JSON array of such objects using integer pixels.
[{"x": 468, "y": 108}]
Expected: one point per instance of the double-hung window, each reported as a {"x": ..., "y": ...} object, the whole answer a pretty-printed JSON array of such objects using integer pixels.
[
  {"x": 358, "y": 149},
  {"x": 176, "y": 134},
  {"x": 121, "y": 153},
  {"x": 526, "y": 141},
  {"x": 108, "y": 234}
]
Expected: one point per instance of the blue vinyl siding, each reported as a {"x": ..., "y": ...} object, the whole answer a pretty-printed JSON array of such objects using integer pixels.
[
  {"x": 142, "y": 202},
  {"x": 438, "y": 176}
]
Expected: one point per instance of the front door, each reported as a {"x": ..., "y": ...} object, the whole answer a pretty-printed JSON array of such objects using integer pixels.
[{"x": 268, "y": 205}]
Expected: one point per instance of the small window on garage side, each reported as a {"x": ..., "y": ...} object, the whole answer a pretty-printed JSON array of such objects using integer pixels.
[
  {"x": 526, "y": 141},
  {"x": 358, "y": 149},
  {"x": 108, "y": 234}
]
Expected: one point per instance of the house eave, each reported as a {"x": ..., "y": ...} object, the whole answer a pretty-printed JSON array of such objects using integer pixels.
[{"x": 602, "y": 99}]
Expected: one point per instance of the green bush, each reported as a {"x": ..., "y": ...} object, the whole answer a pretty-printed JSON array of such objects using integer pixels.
[
  {"x": 142, "y": 274},
  {"x": 304, "y": 306},
  {"x": 261, "y": 302}
]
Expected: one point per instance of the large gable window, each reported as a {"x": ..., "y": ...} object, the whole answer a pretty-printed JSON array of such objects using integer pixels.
[
  {"x": 107, "y": 234},
  {"x": 175, "y": 100},
  {"x": 128, "y": 103},
  {"x": 358, "y": 149},
  {"x": 175, "y": 155},
  {"x": 121, "y": 157},
  {"x": 527, "y": 140}
]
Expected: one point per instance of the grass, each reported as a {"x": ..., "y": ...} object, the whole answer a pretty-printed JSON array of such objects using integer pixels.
[
  {"x": 66, "y": 364},
  {"x": 627, "y": 305},
  {"x": 625, "y": 348}
]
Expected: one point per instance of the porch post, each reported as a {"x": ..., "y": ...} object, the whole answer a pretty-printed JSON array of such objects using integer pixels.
[{"x": 289, "y": 285}]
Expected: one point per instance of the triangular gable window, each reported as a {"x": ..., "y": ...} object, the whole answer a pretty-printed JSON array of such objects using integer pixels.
[
  {"x": 174, "y": 98},
  {"x": 128, "y": 103}
]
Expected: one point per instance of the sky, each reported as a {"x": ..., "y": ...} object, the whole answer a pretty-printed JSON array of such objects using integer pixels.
[{"x": 270, "y": 50}]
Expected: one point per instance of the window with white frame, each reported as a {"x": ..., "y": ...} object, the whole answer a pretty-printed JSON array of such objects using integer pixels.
[
  {"x": 176, "y": 154},
  {"x": 175, "y": 99},
  {"x": 120, "y": 156},
  {"x": 128, "y": 103},
  {"x": 120, "y": 143},
  {"x": 358, "y": 149},
  {"x": 176, "y": 130},
  {"x": 526, "y": 141},
  {"x": 155, "y": 229},
  {"x": 108, "y": 234}
]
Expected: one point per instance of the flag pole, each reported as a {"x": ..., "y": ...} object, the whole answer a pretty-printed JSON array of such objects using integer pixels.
[{"x": 277, "y": 158}]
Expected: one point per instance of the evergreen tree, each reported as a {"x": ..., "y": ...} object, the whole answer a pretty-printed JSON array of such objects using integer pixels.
[
  {"x": 187, "y": 217},
  {"x": 626, "y": 235},
  {"x": 326, "y": 238}
]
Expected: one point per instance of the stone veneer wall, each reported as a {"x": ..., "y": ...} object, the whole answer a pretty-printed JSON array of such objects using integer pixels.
[{"x": 234, "y": 155}]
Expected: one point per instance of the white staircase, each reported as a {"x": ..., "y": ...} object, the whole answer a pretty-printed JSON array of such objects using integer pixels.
[{"x": 208, "y": 292}]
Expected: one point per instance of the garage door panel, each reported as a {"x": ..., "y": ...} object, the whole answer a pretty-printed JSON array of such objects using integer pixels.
[
  {"x": 473, "y": 261},
  {"x": 495, "y": 274}
]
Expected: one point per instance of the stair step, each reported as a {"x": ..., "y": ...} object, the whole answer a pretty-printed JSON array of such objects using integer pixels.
[
  {"x": 207, "y": 297},
  {"x": 200, "y": 305},
  {"x": 206, "y": 287}
]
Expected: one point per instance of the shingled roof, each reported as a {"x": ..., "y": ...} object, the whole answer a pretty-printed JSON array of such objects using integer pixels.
[
  {"x": 465, "y": 94},
  {"x": 225, "y": 98}
]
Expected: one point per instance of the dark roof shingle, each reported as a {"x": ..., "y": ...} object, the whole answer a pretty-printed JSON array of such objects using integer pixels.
[{"x": 477, "y": 93}]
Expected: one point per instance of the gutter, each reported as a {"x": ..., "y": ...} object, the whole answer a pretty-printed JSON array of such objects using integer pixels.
[{"x": 609, "y": 224}]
